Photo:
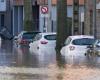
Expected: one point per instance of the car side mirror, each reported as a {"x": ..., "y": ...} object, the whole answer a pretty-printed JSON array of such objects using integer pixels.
[{"x": 15, "y": 38}]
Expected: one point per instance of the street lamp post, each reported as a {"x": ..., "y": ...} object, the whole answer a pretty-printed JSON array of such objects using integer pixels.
[{"x": 94, "y": 18}]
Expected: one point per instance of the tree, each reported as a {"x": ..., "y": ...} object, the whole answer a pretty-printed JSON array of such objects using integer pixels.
[
  {"x": 62, "y": 28},
  {"x": 28, "y": 18}
]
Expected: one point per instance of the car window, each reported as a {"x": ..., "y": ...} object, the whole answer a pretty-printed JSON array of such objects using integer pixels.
[
  {"x": 67, "y": 41},
  {"x": 27, "y": 36},
  {"x": 37, "y": 37},
  {"x": 98, "y": 43},
  {"x": 50, "y": 37},
  {"x": 33, "y": 34},
  {"x": 83, "y": 41}
]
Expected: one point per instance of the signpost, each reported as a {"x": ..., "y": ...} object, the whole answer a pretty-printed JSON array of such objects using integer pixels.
[
  {"x": 44, "y": 14},
  {"x": 44, "y": 9}
]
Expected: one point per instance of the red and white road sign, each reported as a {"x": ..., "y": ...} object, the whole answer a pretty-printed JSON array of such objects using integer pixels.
[{"x": 44, "y": 9}]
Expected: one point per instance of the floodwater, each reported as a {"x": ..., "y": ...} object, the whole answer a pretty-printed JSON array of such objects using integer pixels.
[{"x": 19, "y": 63}]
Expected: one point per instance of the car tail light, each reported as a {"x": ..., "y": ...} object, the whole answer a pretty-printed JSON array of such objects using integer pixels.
[
  {"x": 44, "y": 42},
  {"x": 71, "y": 48},
  {"x": 24, "y": 42}
]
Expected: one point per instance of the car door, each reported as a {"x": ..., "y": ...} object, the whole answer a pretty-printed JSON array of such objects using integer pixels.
[
  {"x": 35, "y": 43},
  {"x": 65, "y": 46},
  {"x": 51, "y": 40}
]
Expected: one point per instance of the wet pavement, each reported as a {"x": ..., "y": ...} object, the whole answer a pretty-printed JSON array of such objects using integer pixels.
[{"x": 18, "y": 63}]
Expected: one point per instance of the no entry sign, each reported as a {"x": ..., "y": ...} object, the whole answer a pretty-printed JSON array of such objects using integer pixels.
[{"x": 44, "y": 9}]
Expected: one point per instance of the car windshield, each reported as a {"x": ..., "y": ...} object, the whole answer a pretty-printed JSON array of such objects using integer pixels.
[
  {"x": 50, "y": 37},
  {"x": 67, "y": 41},
  {"x": 83, "y": 41},
  {"x": 29, "y": 35}
]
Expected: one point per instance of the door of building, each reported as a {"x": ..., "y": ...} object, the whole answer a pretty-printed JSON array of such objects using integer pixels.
[
  {"x": 2, "y": 20},
  {"x": 36, "y": 16}
]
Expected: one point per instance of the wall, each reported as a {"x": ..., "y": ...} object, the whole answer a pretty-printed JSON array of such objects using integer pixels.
[
  {"x": 3, "y": 5},
  {"x": 6, "y": 11}
]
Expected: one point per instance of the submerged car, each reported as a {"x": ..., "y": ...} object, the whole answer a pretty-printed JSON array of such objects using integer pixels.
[
  {"x": 76, "y": 45},
  {"x": 25, "y": 37},
  {"x": 43, "y": 42},
  {"x": 94, "y": 49}
]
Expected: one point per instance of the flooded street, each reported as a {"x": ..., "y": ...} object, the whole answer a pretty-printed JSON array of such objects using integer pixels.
[{"x": 19, "y": 63}]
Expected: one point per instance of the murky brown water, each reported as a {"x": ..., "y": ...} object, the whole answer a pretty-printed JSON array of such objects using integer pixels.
[{"x": 21, "y": 64}]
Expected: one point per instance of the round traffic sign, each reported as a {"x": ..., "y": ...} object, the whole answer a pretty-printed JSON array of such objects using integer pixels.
[{"x": 44, "y": 9}]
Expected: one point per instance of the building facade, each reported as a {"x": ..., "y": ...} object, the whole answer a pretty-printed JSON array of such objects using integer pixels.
[
  {"x": 18, "y": 15},
  {"x": 41, "y": 20},
  {"x": 98, "y": 19},
  {"x": 5, "y": 15},
  {"x": 89, "y": 18}
]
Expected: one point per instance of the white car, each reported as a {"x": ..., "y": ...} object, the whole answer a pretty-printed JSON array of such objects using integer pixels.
[
  {"x": 76, "y": 45},
  {"x": 43, "y": 42}
]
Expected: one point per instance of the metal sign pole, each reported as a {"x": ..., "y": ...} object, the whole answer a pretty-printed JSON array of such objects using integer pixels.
[
  {"x": 94, "y": 18},
  {"x": 44, "y": 11},
  {"x": 44, "y": 27}
]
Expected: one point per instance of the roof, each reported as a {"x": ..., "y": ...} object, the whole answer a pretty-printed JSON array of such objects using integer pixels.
[
  {"x": 41, "y": 2},
  {"x": 81, "y": 36},
  {"x": 47, "y": 33}
]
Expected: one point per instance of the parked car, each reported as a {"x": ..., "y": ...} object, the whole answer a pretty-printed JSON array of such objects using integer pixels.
[
  {"x": 43, "y": 41},
  {"x": 94, "y": 49},
  {"x": 25, "y": 37},
  {"x": 76, "y": 45}
]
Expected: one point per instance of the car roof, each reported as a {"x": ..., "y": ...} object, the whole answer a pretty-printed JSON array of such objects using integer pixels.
[
  {"x": 81, "y": 36},
  {"x": 47, "y": 33},
  {"x": 24, "y": 32},
  {"x": 29, "y": 31}
]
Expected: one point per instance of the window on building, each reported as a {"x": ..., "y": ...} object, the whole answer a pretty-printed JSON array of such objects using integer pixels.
[{"x": 2, "y": 0}]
